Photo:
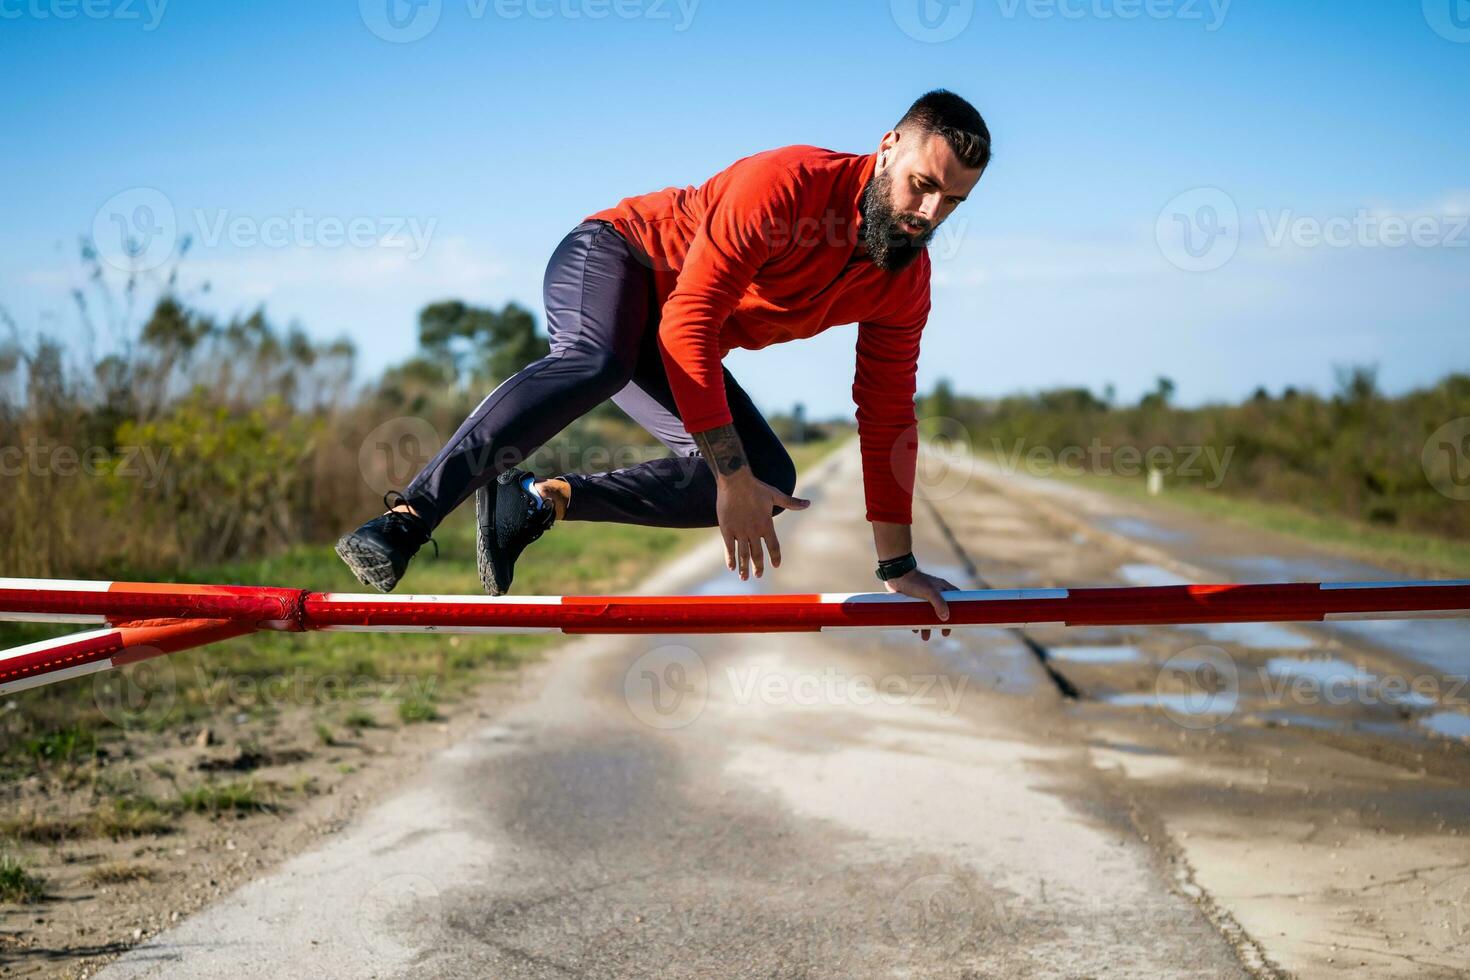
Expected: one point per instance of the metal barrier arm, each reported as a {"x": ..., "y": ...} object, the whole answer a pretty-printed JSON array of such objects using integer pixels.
[
  {"x": 48, "y": 661},
  {"x": 166, "y": 618}
]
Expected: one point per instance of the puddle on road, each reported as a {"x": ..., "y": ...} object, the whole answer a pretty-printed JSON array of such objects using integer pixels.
[
  {"x": 1096, "y": 654},
  {"x": 1271, "y": 568},
  {"x": 1342, "y": 679},
  {"x": 1334, "y": 672},
  {"x": 1442, "y": 644},
  {"x": 1450, "y": 724},
  {"x": 1254, "y": 636},
  {"x": 1195, "y": 704},
  {"x": 1139, "y": 529}
]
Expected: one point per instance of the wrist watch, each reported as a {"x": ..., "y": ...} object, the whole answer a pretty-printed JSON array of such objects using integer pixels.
[{"x": 897, "y": 567}]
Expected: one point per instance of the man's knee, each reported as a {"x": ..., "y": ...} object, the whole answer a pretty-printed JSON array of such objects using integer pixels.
[{"x": 605, "y": 372}]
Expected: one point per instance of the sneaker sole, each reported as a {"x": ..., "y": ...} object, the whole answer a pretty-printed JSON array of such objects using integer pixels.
[
  {"x": 485, "y": 517},
  {"x": 367, "y": 564}
]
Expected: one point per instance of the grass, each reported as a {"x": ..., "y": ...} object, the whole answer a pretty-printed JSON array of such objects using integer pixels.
[
  {"x": 124, "y": 817},
  {"x": 17, "y": 884},
  {"x": 120, "y": 873},
  {"x": 1412, "y": 551},
  {"x": 416, "y": 710},
  {"x": 240, "y": 796}
]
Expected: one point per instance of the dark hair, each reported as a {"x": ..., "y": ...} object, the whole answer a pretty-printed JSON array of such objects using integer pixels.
[{"x": 942, "y": 113}]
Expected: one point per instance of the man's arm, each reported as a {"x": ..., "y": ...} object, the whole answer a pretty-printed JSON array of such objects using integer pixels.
[
  {"x": 733, "y": 241},
  {"x": 745, "y": 506},
  {"x": 883, "y": 390}
]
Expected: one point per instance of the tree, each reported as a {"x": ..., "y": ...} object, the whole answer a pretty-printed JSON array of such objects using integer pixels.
[{"x": 479, "y": 347}]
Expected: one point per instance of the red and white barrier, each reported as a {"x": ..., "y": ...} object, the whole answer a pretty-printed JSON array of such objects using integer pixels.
[{"x": 167, "y": 618}]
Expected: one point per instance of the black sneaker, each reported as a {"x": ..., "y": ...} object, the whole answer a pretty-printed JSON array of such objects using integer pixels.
[
  {"x": 508, "y": 517},
  {"x": 379, "y": 551}
]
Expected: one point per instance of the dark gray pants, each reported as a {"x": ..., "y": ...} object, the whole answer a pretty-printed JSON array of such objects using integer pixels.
[{"x": 602, "y": 315}]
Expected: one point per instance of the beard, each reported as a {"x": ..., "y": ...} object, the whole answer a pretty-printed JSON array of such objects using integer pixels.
[{"x": 891, "y": 247}]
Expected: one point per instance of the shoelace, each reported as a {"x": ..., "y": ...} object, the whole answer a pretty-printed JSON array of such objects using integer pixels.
[{"x": 406, "y": 520}]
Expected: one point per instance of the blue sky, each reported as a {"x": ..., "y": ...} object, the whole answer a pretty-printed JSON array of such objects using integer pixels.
[{"x": 270, "y": 129}]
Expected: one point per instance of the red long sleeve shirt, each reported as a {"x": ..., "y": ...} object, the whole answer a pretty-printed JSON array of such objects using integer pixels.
[{"x": 767, "y": 251}]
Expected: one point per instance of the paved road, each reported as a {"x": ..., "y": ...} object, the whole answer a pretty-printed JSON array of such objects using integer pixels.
[{"x": 843, "y": 805}]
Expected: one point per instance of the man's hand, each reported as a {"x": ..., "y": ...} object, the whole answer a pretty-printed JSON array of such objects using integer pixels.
[
  {"x": 922, "y": 585},
  {"x": 744, "y": 507},
  {"x": 744, "y": 504}
]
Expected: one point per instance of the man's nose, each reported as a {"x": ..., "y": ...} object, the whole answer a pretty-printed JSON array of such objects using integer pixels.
[{"x": 929, "y": 209}]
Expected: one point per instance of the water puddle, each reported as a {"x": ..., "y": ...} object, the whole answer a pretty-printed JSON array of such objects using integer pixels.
[
  {"x": 1096, "y": 654},
  {"x": 1443, "y": 644},
  {"x": 1322, "y": 672},
  {"x": 1271, "y": 568},
  {"x": 1199, "y": 705},
  {"x": 1450, "y": 724},
  {"x": 1139, "y": 529},
  {"x": 1254, "y": 636}
]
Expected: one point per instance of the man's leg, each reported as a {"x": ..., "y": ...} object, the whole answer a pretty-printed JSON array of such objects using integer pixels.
[
  {"x": 677, "y": 491},
  {"x": 598, "y": 299}
]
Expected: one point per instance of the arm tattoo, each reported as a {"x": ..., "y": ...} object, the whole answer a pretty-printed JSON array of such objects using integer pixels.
[{"x": 722, "y": 449}]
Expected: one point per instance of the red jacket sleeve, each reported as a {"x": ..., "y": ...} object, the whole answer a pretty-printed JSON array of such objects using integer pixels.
[
  {"x": 732, "y": 242},
  {"x": 883, "y": 390}
]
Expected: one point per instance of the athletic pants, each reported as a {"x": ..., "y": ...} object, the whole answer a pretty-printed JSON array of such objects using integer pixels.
[{"x": 602, "y": 315}]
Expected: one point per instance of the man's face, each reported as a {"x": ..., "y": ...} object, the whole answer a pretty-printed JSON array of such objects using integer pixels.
[{"x": 918, "y": 182}]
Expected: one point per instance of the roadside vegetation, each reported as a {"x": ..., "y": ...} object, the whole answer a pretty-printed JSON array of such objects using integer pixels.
[{"x": 1377, "y": 476}]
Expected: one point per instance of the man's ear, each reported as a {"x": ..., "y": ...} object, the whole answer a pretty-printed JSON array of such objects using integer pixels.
[{"x": 886, "y": 148}]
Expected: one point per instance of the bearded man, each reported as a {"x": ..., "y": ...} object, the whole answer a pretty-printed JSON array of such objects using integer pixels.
[{"x": 644, "y": 299}]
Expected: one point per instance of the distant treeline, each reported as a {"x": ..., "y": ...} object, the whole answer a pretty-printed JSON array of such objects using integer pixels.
[{"x": 1391, "y": 461}]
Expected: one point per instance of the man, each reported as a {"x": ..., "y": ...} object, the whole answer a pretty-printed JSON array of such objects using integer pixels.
[{"x": 642, "y": 302}]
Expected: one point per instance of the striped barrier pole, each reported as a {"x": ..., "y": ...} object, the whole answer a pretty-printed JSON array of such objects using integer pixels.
[{"x": 236, "y": 610}]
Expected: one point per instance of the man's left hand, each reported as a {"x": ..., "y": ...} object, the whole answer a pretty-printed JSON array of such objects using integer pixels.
[{"x": 922, "y": 585}]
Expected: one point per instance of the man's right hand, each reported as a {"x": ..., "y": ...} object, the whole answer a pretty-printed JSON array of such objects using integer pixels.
[{"x": 745, "y": 506}]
